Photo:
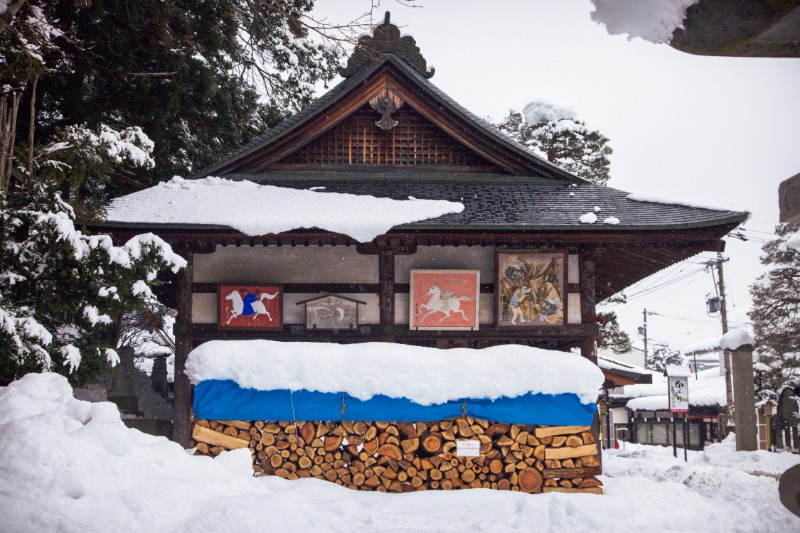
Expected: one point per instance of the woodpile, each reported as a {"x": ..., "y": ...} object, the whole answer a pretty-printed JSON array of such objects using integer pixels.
[{"x": 404, "y": 457}]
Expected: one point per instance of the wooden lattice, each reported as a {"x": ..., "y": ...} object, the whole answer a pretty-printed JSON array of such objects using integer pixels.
[{"x": 415, "y": 141}]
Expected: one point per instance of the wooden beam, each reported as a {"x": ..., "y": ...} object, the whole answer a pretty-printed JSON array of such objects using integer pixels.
[{"x": 182, "y": 389}]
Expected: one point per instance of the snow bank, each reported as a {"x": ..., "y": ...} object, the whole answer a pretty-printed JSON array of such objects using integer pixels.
[
  {"x": 652, "y": 20},
  {"x": 736, "y": 338},
  {"x": 262, "y": 209},
  {"x": 71, "y": 466},
  {"x": 423, "y": 375}
]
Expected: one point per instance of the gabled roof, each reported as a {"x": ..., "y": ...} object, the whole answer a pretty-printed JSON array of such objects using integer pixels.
[{"x": 357, "y": 89}]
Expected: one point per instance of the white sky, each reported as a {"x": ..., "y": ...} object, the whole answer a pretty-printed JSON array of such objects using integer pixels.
[{"x": 716, "y": 131}]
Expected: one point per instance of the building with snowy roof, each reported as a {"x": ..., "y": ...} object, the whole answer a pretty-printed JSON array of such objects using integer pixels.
[{"x": 447, "y": 233}]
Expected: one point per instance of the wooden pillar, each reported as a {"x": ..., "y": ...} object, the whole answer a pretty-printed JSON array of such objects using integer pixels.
[
  {"x": 588, "y": 311},
  {"x": 386, "y": 281},
  {"x": 182, "y": 389}
]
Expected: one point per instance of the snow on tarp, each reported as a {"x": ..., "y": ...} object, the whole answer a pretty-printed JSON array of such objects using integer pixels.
[
  {"x": 398, "y": 380},
  {"x": 262, "y": 209}
]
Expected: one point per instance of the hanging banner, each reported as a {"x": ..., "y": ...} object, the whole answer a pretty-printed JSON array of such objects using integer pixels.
[{"x": 678, "y": 394}]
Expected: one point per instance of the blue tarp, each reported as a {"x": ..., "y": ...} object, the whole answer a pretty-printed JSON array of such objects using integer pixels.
[{"x": 226, "y": 400}]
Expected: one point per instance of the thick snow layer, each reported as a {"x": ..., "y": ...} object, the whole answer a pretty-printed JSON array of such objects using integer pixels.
[
  {"x": 71, "y": 466},
  {"x": 652, "y": 20},
  {"x": 736, "y": 338},
  {"x": 704, "y": 346},
  {"x": 424, "y": 375},
  {"x": 262, "y": 209},
  {"x": 678, "y": 371},
  {"x": 544, "y": 110}
]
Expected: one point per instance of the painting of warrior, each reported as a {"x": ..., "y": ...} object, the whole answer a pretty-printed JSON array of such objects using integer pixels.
[
  {"x": 249, "y": 307},
  {"x": 530, "y": 288},
  {"x": 444, "y": 299}
]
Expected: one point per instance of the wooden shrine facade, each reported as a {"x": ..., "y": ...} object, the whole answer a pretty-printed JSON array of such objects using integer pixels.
[{"x": 386, "y": 131}]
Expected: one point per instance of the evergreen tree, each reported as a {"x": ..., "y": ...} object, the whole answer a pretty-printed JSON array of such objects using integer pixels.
[
  {"x": 610, "y": 336},
  {"x": 553, "y": 132},
  {"x": 776, "y": 311},
  {"x": 662, "y": 356},
  {"x": 61, "y": 292},
  {"x": 199, "y": 77}
]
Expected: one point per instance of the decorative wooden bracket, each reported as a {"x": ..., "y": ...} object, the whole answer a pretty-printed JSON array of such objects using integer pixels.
[{"x": 386, "y": 104}]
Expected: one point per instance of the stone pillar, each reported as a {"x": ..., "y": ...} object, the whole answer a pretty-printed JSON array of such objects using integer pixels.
[
  {"x": 158, "y": 377},
  {"x": 122, "y": 392},
  {"x": 744, "y": 398}
]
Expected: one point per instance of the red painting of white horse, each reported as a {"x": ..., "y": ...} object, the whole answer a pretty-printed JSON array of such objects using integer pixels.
[
  {"x": 444, "y": 299},
  {"x": 249, "y": 307}
]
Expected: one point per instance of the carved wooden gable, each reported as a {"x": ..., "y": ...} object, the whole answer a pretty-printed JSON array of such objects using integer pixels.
[{"x": 412, "y": 141}]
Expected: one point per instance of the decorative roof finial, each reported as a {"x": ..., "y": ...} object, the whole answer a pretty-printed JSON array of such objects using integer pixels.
[{"x": 386, "y": 39}]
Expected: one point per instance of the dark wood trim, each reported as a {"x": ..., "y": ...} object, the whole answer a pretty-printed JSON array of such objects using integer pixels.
[
  {"x": 588, "y": 304},
  {"x": 182, "y": 389},
  {"x": 311, "y": 288},
  {"x": 386, "y": 282}
]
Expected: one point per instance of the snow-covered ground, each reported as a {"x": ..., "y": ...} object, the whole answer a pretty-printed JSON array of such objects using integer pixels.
[{"x": 69, "y": 465}]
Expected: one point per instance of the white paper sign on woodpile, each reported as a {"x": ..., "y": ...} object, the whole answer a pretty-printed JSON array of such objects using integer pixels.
[{"x": 468, "y": 448}]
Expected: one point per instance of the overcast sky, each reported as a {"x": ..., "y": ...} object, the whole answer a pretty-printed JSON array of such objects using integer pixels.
[{"x": 713, "y": 131}]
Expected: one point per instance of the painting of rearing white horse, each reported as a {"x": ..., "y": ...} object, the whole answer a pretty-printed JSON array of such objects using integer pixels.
[
  {"x": 249, "y": 307},
  {"x": 444, "y": 299}
]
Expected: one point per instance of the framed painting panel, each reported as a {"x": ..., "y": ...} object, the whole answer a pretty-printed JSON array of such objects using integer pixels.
[
  {"x": 256, "y": 307},
  {"x": 444, "y": 299},
  {"x": 331, "y": 311},
  {"x": 531, "y": 288}
]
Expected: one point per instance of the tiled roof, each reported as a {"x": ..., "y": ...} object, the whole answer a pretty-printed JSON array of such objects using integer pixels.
[{"x": 497, "y": 201}]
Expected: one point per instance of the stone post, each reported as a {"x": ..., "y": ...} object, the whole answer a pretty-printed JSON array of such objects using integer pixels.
[
  {"x": 122, "y": 392},
  {"x": 744, "y": 398}
]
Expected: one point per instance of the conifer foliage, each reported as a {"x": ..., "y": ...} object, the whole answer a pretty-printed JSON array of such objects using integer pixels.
[
  {"x": 663, "y": 356},
  {"x": 199, "y": 77},
  {"x": 776, "y": 312},
  {"x": 61, "y": 291},
  {"x": 552, "y": 131}
]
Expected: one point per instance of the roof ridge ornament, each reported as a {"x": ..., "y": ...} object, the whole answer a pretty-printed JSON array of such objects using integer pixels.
[{"x": 386, "y": 39}]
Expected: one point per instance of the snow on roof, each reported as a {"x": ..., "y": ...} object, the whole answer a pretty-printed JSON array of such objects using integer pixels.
[
  {"x": 702, "y": 347},
  {"x": 736, "y": 338},
  {"x": 678, "y": 371},
  {"x": 262, "y": 209},
  {"x": 652, "y": 20},
  {"x": 423, "y": 375},
  {"x": 708, "y": 390}
]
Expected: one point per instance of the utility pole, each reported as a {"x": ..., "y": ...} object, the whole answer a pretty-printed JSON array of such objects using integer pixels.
[
  {"x": 644, "y": 314},
  {"x": 723, "y": 311}
]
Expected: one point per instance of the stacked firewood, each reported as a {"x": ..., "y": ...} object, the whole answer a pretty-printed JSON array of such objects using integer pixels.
[{"x": 403, "y": 457}]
